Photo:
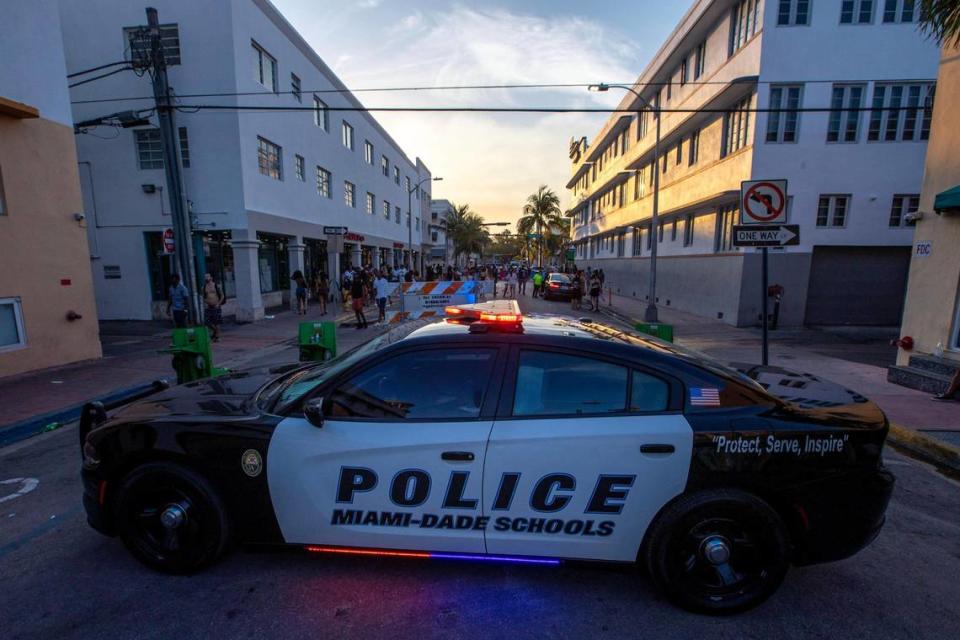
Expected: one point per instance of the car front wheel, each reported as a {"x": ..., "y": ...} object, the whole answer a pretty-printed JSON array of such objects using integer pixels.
[
  {"x": 171, "y": 518},
  {"x": 717, "y": 552}
]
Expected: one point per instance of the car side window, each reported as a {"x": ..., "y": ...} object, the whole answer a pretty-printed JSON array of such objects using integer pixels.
[
  {"x": 428, "y": 384},
  {"x": 561, "y": 384},
  {"x": 648, "y": 393}
]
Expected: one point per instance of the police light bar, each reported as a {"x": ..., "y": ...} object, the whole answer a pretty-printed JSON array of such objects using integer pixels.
[{"x": 498, "y": 311}]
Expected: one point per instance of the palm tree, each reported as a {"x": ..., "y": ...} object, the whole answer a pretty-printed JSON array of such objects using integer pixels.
[
  {"x": 941, "y": 20},
  {"x": 542, "y": 213},
  {"x": 465, "y": 228}
]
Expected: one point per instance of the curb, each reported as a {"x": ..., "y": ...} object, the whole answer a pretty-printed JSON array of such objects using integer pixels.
[
  {"x": 923, "y": 447},
  {"x": 616, "y": 315},
  {"x": 13, "y": 433}
]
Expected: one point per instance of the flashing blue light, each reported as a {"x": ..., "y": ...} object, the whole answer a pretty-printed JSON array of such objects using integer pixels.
[{"x": 486, "y": 558}]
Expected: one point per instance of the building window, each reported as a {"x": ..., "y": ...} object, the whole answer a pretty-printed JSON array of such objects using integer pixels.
[
  {"x": 743, "y": 23},
  {"x": 902, "y": 205},
  {"x": 368, "y": 152},
  {"x": 642, "y": 125},
  {"x": 901, "y": 112},
  {"x": 371, "y": 203},
  {"x": 832, "y": 210},
  {"x": 396, "y": 215},
  {"x": 321, "y": 115},
  {"x": 149, "y": 148},
  {"x": 726, "y": 218},
  {"x": 856, "y": 12},
  {"x": 386, "y": 209},
  {"x": 844, "y": 114},
  {"x": 347, "y": 135},
  {"x": 635, "y": 241},
  {"x": 684, "y": 71},
  {"x": 139, "y": 44},
  {"x": 295, "y": 87},
  {"x": 349, "y": 194},
  {"x": 396, "y": 174},
  {"x": 323, "y": 182},
  {"x": 298, "y": 165},
  {"x": 269, "y": 158},
  {"x": 679, "y": 151},
  {"x": 899, "y": 10},
  {"x": 673, "y": 230},
  {"x": 782, "y": 125},
  {"x": 11, "y": 325},
  {"x": 273, "y": 260},
  {"x": 693, "y": 149},
  {"x": 621, "y": 243},
  {"x": 264, "y": 67},
  {"x": 688, "y": 228},
  {"x": 736, "y": 127},
  {"x": 385, "y": 166},
  {"x": 793, "y": 12},
  {"x": 700, "y": 60},
  {"x": 184, "y": 147}
]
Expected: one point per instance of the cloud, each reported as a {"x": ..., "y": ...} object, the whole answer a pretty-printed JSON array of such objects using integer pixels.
[
  {"x": 493, "y": 161},
  {"x": 368, "y": 4}
]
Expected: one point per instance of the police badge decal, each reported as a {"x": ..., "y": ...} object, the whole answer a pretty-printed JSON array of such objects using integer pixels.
[{"x": 251, "y": 462}]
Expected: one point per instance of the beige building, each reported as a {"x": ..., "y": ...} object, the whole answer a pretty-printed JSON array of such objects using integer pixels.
[
  {"x": 47, "y": 311},
  {"x": 932, "y": 312}
]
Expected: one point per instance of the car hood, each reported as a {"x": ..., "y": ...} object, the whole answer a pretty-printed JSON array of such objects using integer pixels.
[
  {"x": 815, "y": 398},
  {"x": 225, "y": 396}
]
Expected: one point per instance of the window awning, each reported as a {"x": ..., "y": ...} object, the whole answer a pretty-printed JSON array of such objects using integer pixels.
[{"x": 948, "y": 201}]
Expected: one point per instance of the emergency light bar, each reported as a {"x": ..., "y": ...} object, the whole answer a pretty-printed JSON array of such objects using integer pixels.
[{"x": 495, "y": 311}]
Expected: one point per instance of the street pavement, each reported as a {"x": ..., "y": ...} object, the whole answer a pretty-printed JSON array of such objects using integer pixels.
[{"x": 63, "y": 580}]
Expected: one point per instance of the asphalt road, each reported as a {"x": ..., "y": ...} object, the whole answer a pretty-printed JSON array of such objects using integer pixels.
[{"x": 63, "y": 580}]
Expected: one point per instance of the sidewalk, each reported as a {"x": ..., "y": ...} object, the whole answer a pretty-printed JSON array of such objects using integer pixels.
[
  {"x": 855, "y": 359},
  {"x": 131, "y": 358}
]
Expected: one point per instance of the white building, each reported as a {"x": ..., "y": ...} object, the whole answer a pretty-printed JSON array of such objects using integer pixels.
[
  {"x": 853, "y": 176},
  {"x": 442, "y": 250},
  {"x": 260, "y": 185}
]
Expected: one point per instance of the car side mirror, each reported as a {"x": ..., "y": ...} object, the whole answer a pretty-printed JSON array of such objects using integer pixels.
[{"x": 313, "y": 410}]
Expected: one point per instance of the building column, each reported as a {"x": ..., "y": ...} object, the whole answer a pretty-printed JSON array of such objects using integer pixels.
[
  {"x": 295, "y": 251},
  {"x": 356, "y": 256},
  {"x": 247, "y": 273}
]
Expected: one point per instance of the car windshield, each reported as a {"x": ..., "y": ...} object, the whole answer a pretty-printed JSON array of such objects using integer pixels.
[
  {"x": 285, "y": 391},
  {"x": 559, "y": 277}
]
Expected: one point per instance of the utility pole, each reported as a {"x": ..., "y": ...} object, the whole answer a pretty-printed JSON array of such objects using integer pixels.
[{"x": 183, "y": 237}]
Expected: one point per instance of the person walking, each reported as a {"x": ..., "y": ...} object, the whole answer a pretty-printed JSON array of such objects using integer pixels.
[
  {"x": 595, "y": 287},
  {"x": 576, "y": 301},
  {"x": 380, "y": 287},
  {"x": 213, "y": 300},
  {"x": 322, "y": 290},
  {"x": 953, "y": 389},
  {"x": 537, "y": 283},
  {"x": 357, "y": 300},
  {"x": 301, "y": 292},
  {"x": 178, "y": 300}
]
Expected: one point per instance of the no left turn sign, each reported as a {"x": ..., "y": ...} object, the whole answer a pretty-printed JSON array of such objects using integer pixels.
[{"x": 763, "y": 201}]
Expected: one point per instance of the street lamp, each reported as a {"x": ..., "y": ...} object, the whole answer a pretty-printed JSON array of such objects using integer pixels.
[
  {"x": 650, "y": 314},
  {"x": 410, "y": 214}
]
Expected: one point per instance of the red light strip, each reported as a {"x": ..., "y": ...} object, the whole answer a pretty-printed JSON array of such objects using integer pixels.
[{"x": 369, "y": 552}]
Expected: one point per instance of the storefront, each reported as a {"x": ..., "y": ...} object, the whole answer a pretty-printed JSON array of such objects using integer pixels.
[
  {"x": 386, "y": 258},
  {"x": 314, "y": 257},
  {"x": 214, "y": 255},
  {"x": 366, "y": 255},
  {"x": 273, "y": 262}
]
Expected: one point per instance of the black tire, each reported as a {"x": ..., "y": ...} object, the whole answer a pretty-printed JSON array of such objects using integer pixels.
[
  {"x": 728, "y": 522},
  {"x": 201, "y": 534}
]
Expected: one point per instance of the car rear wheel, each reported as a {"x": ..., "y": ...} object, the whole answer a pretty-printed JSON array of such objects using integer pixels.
[
  {"x": 171, "y": 518},
  {"x": 717, "y": 552}
]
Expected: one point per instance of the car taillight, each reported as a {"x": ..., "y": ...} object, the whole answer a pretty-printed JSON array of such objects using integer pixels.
[{"x": 554, "y": 285}]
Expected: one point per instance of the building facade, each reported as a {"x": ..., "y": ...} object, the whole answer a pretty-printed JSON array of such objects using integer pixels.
[
  {"x": 932, "y": 313},
  {"x": 442, "y": 250},
  {"x": 853, "y": 160},
  {"x": 260, "y": 185},
  {"x": 47, "y": 311}
]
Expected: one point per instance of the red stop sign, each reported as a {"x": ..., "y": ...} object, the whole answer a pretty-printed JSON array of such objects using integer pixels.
[{"x": 168, "y": 243}]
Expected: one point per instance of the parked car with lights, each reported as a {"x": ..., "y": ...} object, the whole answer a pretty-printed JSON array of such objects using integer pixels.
[{"x": 498, "y": 437}]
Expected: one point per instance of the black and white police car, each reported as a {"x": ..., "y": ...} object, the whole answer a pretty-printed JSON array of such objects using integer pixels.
[{"x": 493, "y": 436}]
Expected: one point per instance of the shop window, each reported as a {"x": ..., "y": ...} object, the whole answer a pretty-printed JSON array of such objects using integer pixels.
[
  {"x": 11, "y": 324},
  {"x": 273, "y": 263}
]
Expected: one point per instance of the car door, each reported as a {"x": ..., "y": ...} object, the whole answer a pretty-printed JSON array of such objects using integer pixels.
[
  {"x": 398, "y": 461},
  {"x": 583, "y": 453}
]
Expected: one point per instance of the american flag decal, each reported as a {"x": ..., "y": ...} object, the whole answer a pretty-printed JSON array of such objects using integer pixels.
[{"x": 704, "y": 397}]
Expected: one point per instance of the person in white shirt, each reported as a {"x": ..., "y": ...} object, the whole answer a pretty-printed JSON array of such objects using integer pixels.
[{"x": 380, "y": 287}]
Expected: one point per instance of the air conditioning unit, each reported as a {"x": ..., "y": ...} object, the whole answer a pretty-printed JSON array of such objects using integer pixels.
[{"x": 913, "y": 216}]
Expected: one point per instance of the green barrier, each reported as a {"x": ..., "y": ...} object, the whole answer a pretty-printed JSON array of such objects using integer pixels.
[
  {"x": 318, "y": 341},
  {"x": 662, "y": 331},
  {"x": 192, "y": 356}
]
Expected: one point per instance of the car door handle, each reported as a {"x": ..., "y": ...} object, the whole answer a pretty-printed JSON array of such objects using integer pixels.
[
  {"x": 657, "y": 448},
  {"x": 457, "y": 456}
]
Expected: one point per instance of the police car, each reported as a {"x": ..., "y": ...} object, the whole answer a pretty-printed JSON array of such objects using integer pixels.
[{"x": 497, "y": 437}]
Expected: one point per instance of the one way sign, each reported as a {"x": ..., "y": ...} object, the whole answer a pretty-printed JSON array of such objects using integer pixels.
[{"x": 766, "y": 235}]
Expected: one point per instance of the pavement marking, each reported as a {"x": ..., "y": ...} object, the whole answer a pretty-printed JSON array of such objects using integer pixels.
[
  {"x": 53, "y": 522},
  {"x": 27, "y": 485}
]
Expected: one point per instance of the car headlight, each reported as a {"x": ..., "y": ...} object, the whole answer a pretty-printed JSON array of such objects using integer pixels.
[{"x": 90, "y": 458}]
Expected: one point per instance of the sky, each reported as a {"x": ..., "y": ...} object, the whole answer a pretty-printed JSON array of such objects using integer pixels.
[{"x": 491, "y": 161}]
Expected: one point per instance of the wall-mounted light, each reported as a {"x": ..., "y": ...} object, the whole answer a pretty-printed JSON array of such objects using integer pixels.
[{"x": 149, "y": 188}]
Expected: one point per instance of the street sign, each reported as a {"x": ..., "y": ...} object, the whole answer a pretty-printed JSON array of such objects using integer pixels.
[
  {"x": 334, "y": 231},
  {"x": 766, "y": 235},
  {"x": 763, "y": 201},
  {"x": 923, "y": 249},
  {"x": 169, "y": 244}
]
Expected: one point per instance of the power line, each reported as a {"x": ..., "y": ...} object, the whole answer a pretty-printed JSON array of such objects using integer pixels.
[
  {"x": 477, "y": 87},
  {"x": 91, "y": 70},
  {"x": 103, "y": 75}
]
